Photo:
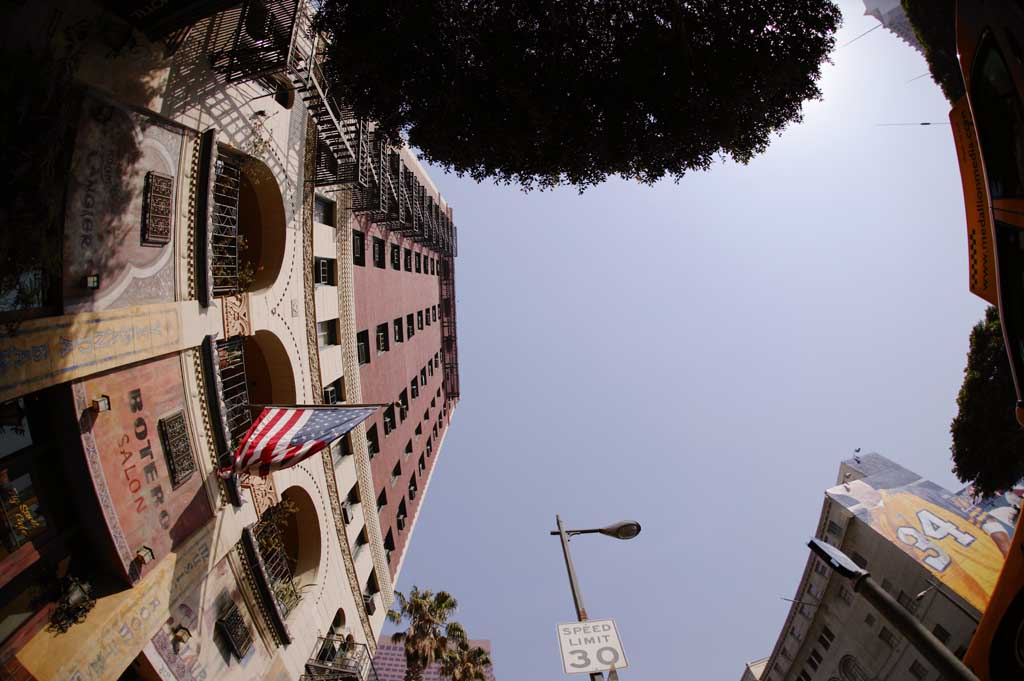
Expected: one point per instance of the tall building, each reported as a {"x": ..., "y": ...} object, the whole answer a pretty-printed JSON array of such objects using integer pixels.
[
  {"x": 891, "y": 15},
  {"x": 936, "y": 552},
  {"x": 225, "y": 235},
  {"x": 390, "y": 661}
]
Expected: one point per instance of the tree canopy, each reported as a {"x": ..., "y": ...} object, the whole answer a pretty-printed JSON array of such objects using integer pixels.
[
  {"x": 988, "y": 443},
  {"x": 548, "y": 93}
]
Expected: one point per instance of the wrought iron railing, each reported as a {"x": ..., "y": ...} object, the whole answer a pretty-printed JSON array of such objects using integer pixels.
[
  {"x": 225, "y": 242},
  {"x": 235, "y": 390},
  {"x": 275, "y": 561},
  {"x": 336, "y": 658}
]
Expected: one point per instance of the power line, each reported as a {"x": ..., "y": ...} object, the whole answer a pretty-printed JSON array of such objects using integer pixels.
[
  {"x": 860, "y": 36},
  {"x": 883, "y": 125},
  {"x": 918, "y": 77}
]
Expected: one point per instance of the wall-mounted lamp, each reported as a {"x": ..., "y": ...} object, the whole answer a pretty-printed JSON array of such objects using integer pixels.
[
  {"x": 181, "y": 636},
  {"x": 101, "y": 403},
  {"x": 92, "y": 281}
]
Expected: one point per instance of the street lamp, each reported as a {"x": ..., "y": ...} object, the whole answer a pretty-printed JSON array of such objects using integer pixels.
[
  {"x": 624, "y": 529},
  {"x": 945, "y": 662}
]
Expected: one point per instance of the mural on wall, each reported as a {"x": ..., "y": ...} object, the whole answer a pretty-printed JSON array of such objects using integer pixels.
[
  {"x": 120, "y": 209},
  {"x": 957, "y": 541},
  {"x": 208, "y": 654},
  {"x": 142, "y": 460}
]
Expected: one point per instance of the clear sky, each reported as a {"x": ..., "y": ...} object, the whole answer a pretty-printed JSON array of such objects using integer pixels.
[{"x": 699, "y": 357}]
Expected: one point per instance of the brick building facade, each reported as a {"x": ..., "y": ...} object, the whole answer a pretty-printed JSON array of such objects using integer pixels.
[{"x": 212, "y": 203}]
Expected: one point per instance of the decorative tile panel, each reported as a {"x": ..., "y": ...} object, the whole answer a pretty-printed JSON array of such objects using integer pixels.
[
  {"x": 181, "y": 464},
  {"x": 157, "y": 209},
  {"x": 233, "y": 627}
]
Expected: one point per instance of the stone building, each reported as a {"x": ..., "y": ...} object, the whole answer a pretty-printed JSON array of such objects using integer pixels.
[
  {"x": 390, "y": 661},
  {"x": 937, "y": 553},
  {"x": 228, "y": 238}
]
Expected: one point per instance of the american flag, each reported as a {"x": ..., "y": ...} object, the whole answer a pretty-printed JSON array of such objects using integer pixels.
[{"x": 284, "y": 436}]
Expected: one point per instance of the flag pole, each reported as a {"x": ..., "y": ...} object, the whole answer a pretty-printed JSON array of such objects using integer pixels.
[{"x": 316, "y": 406}]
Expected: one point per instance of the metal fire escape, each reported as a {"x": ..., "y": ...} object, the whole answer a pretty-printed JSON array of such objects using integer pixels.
[
  {"x": 337, "y": 658},
  {"x": 275, "y": 39}
]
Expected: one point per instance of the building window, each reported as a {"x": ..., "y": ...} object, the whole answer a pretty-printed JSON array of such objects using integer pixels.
[
  {"x": 396, "y": 257},
  {"x": 419, "y": 320},
  {"x": 378, "y": 252},
  {"x": 408, "y": 260},
  {"x": 324, "y": 271},
  {"x": 414, "y": 388},
  {"x": 826, "y": 638},
  {"x": 363, "y": 346},
  {"x": 887, "y": 637},
  {"x": 845, "y": 595},
  {"x": 358, "y": 248},
  {"x": 398, "y": 329},
  {"x": 804, "y": 676},
  {"x": 886, "y": 585},
  {"x": 396, "y": 473},
  {"x": 907, "y": 602},
  {"x": 820, "y": 568},
  {"x": 422, "y": 464},
  {"x": 432, "y": 269},
  {"x": 389, "y": 420},
  {"x": 433, "y": 312},
  {"x": 382, "y": 500},
  {"x": 834, "y": 529},
  {"x": 408, "y": 448},
  {"x": 382, "y": 338},
  {"x": 998, "y": 114},
  {"x": 400, "y": 516},
  {"x": 437, "y": 363},
  {"x": 403, "y": 401},
  {"x": 334, "y": 392},
  {"x": 426, "y": 313},
  {"x": 430, "y": 369},
  {"x": 419, "y": 430},
  {"x": 869, "y": 619},
  {"x": 860, "y": 560},
  {"x": 423, "y": 377},
  {"x": 372, "y": 442},
  {"x": 814, "y": 660},
  {"x": 416, "y": 257},
  {"x": 941, "y": 633},
  {"x": 327, "y": 333},
  {"x": 410, "y": 326},
  {"x": 918, "y": 670},
  {"x": 323, "y": 211}
]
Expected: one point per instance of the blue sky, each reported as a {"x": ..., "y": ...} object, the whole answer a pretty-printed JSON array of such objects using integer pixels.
[{"x": 699, "y": 357}]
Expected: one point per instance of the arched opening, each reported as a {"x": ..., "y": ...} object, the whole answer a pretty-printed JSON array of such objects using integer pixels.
[
  {"x": 338, "y": 624},
  {"x": 268, "y": 370},
  {"x": 261, "y": 223},
  {"x": 248, "y": 230},
  {"x": 301, "y": 536},
  {"x": 253, "y": 370}
]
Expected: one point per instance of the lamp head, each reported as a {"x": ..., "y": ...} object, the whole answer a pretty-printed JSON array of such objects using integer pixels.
[{"x": 624, "y": 529}]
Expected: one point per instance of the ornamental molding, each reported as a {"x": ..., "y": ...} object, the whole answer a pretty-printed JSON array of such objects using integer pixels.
[{"x": 235, "y": 311}]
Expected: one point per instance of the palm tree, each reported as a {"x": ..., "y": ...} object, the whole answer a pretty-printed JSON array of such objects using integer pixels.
[
  {"x": 465, "y": 663},
  {"x": 430, "y": 632}
]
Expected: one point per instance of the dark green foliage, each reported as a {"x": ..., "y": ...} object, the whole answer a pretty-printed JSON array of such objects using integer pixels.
[
  {"x": 545, "y": 93},
  {"x": 934, "y": 22},
  {"x": 988, "y": 444}
]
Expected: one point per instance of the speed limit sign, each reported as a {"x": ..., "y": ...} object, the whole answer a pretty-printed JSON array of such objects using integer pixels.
[{"x": 591, "y": 646}]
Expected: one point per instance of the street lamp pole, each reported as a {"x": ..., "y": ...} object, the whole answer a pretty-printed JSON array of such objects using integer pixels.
[
  {"x": 944, "y": 661},
  {"x": 577, "y": 598}
]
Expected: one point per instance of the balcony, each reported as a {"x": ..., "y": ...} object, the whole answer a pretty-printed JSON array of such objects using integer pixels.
[{"x": 336, "y": 658}]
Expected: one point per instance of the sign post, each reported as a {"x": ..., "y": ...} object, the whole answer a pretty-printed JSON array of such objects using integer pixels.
[{"x": 591, "y": 647}]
